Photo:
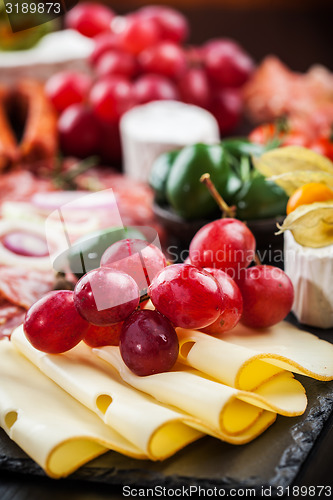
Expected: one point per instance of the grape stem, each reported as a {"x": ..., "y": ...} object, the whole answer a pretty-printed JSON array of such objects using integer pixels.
[{"x": 225, "y": 209}]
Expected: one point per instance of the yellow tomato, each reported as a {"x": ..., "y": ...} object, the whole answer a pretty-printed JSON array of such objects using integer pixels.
[{"x": 309, "y": 193}]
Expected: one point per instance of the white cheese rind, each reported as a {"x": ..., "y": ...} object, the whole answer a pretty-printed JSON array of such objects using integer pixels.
[
  {"x": 159, "y": 126},
  {"x": 311, "y": 272}
]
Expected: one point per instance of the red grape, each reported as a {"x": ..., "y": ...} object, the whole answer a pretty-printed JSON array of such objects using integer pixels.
[
  {"x": 103, "y": 43},
  {"x": 89, "y": 19},
  {"x": 78, "y": 131},
  {"x": 138, "y": 33},
  {"x": 195, "y": 88},
  {"x": 97, "y": 336},
  {"x": 116, "y": 62},
  {"x": 152, "y": 87},
  {"x": 268, "y": 295},
  {"x": 172, "y": 24},
  {"x": 148, "y": 343},
  {"x": 66, "y": 88},
  {"x": 227, "y": 63},
  {"x": 137, "y": 258},
  {"x": 111, "y": 97},
  {"x": 164, "y": 58},
  {"x": 189, "y": 297},
  {"x": 226, "y": 244},
  {"x": 226, "y": 106},
  {"x": 232, "y": 303},
  {"x": 53, "y": 325},
  {"x": 105, "y": 296},
  {"x": 109, "y": 149}
]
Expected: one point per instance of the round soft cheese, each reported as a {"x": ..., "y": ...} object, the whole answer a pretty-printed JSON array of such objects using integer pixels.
[
  {"x": 311, "y": 271},
  {"x": 159, "y": 126}
]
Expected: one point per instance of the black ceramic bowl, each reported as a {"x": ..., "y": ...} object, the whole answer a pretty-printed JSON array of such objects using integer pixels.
[{"x": 180, "y": 232}]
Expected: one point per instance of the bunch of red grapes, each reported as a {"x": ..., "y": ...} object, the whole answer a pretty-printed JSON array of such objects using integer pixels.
[
  {"x": 211, "y": 292},
  {"x": 138, "y": 58}
]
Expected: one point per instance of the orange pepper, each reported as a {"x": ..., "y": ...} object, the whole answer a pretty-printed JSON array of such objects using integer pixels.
[{"x": 309, "y": 193}]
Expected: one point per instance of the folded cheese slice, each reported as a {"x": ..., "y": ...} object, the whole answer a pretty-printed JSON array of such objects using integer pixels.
[
  {"x": 220, "y": 408},
  {"x": 271, "y": 387},
  {"x": 156, "y": 430},
  {"x": 57, "y": 432},
  {"x": 286, "y": 346}
]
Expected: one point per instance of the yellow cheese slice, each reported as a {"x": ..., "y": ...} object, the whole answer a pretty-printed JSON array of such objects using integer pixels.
[
  {"x": 56, "y": 431},
  {"x": 220, "y": 409},
  {"x": 158, "y": 431},
  {"x": 271, "y": 387},
  {"x": 288, "y": 347}
]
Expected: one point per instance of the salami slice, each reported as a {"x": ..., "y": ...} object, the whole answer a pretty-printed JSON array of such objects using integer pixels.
[
  {"x": 11, "y": 316},
  {"x": 23, "y": 288}
]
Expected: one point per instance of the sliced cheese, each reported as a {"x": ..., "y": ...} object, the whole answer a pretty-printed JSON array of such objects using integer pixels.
[
  {"x": 272, "y": 387},
  {"x": 286, "y": 346},
  {"x": 56, "y": 431},
  {"x": 156, "y": 430},
  {"x": 222, "y": 412}
]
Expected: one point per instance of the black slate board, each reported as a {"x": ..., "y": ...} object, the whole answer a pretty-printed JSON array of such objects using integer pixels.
[{"x": 273, "y": 459}]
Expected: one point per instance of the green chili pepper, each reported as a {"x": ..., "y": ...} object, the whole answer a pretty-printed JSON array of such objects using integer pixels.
[
  {"x": 186, "y": 194},
  {"x": 159, "y": 174},
  {"x": 260, "y": 198}
]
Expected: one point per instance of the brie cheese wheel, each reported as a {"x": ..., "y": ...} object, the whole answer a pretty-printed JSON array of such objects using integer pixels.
[
  {"x": 159, "y": 126},
  {"x": 56, "y": 431},
  {"x": 311, "y": 271},
  {"x": 156, "y": 430}
]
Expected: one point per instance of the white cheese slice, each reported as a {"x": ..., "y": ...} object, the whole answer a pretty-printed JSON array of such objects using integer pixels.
[
  {"x": 158, "y": 431},
  {"x": 57, "y": 432},
  {"x": 159, "y": 126},
  {"x": 311, "y": 272},
  {"x": 219, "y": 408}
]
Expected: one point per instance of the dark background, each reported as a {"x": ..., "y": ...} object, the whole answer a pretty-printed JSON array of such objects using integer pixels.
[{"x": 299, "y": 32}]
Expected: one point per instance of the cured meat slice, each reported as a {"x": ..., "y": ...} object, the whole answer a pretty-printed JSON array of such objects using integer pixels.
[
  {"x": 23, "y": 288},
  {"x": 11, "y": 316},
  {"x": 20, "y": 185}
]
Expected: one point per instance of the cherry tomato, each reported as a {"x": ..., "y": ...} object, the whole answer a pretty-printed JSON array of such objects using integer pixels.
[
  {"x": 264, "y": 133},
  {"x": 309, "y": 193},
  {"x": 323, "y": 146}
]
